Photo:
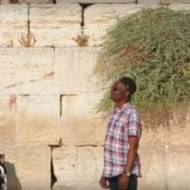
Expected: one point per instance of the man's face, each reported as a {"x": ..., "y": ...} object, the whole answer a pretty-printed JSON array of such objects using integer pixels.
[{"x": 119, "y": 92}]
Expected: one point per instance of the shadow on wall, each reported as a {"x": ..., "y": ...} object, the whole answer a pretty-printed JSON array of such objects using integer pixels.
[{"x": 13, "y": 181}]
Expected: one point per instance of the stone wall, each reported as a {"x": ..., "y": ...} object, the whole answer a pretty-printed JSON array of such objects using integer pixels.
[{"x": 48, "y": 94}]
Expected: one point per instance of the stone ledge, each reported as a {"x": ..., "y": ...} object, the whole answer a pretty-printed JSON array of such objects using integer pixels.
[
  {"x": 27, "y": 1},
  {"x": 95, "y": 1},
  {"x": 179, "y": 7},
  {"x": 166, "y": 2}
]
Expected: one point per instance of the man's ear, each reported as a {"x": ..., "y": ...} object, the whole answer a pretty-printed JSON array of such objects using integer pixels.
[{"x": 127, "y": 93}]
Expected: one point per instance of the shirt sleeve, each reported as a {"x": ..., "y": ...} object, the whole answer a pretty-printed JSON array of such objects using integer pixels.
[{"x": 134, "y": 124}]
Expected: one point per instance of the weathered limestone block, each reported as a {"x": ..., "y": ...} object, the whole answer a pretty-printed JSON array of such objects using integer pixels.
[
  {"x": 13, "y": 24},
  {"x": 28, "y": 166},
  {"x": 99, "y": 19},
  {"x": 55, "y": 25},
  {"x": 178, "y": 161},
  {"x": 95, "y": 1},
  {"x": 148, "y": 1},
  {"x": 8, "y": 106},
  {"x": 38, "y": 119},
  {"x": 177, "y": 133},
  {"x": 36, "y": 1},
  {"x": 180, "y": 7},
  {"x": 178, "y": 136},
  {"x": 154, "y": 136},
  {"x": 77, "y": 167},
  {"x": 75, "y": 69},
  {"x": 27, "y": 71},
  {"x": 174, "y": 1},
  {"x": 26, "y": 1},
  {"x": 80, "y": 124},
  {"x": 153, "y": 168},
  {"x": 4, "y": 1}
]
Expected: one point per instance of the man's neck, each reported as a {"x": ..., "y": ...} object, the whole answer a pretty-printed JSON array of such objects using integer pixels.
[{"x": 120, "y": 103}]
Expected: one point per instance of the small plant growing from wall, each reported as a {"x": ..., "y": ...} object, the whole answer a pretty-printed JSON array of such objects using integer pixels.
[
  {"x": 82, "y": 40},
  {"x": 152, "y": 47},
  {"x": 28, "y": 40}
]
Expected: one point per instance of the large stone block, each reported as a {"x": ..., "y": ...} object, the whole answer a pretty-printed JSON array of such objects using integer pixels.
[
  {"x": 148, "y": 1},
  {"x": 38, "y": 119},
  {"x": 77, "y": 167},
  {"x": 4, "y": 1},
  {"x": 178, "y": 161},
  {"x": 153, "y": 168},
  {"x": 154, "y": 136},
  {"x": 13, "y": 24},
  {"x": 177, "y": 135},
  {"x": 55, "y": 25},
  {"x": 75, "y": 69},
  {"x": 26, "y": 1},
  {"x": 28, "y": 166},
  {"x": 95, "y": 1},
  {"x": 8, "y": 105},
  {"x": 36, "y": 1},
  {"x": 27, "y": 71},
  {"x": 100, "y": 18},
  {"x": 80, "y": 123},
  {"x": 180, "y": 7},
  {"x": 174, "y": 1}
]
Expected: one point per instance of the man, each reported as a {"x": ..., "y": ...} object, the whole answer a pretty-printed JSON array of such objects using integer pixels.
[
  {"x": 3, "y": 173},
  {"x": 121, "y": 161}
]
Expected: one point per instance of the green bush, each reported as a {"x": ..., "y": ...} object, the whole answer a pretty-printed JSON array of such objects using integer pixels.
[{"x": 152, "y": 47}]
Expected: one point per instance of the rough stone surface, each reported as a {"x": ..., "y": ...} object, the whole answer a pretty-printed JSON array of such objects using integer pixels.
[
  {"x": 27, "y": 1},
  {"x": 28, "y": 167},
  {"x": 148, "y": 1},
  {"x": 157, "y": 162},
  {"x": 174, "y": 135},
  {"x": 55, "y": 25},
  {"x": 38, "y": 120},
  {"x": 79, "y": 121},
  {"x": 99, "y": 18},
  {"x": 77, "y": 167},
  {"x": 75, "y": 69},
  {"x": 153, "y": 167},
  {"x": 4, "y": 1},
  {"x": 13, "y": 24},
  {"x": 177, "y": 160},
  {"x": 36, "y": 1},
  {"x": 8, "y": 105},
  {"x": 180, "y": 7},
  {"x": 27, "y": 71},
  {"x": 174, "y": 1},
  {"x": 95, "y": 1}
]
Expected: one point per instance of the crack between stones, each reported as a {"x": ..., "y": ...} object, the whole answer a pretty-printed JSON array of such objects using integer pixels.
[
  {"x": 53, "y": 179},
  {"x": 59, "y": 145},
  {"x": 83, "y": 6}
]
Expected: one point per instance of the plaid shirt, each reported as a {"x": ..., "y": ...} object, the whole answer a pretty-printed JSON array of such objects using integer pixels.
[{"x": 125, "y": 122}]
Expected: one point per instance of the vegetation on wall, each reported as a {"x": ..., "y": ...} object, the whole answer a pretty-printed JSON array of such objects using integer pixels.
[
  {"x": 28, "y": 40},
  {"x": 152, "y": 47}
]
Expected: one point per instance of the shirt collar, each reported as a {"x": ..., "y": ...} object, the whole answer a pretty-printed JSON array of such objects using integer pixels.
[{"x": 122, "y": 107}]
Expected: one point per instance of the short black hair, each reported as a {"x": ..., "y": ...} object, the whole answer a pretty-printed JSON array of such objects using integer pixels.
[{"x": 129, "y": 83}]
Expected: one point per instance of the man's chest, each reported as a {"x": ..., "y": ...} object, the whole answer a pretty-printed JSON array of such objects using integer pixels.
[{"x": 117, "y": 127}]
